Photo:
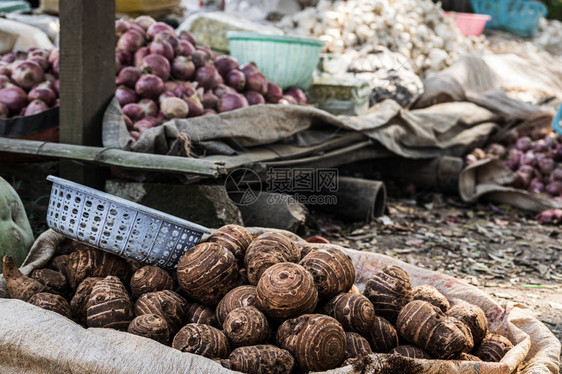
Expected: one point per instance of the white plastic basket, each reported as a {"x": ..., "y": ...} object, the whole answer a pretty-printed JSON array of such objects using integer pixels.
[{"x": 119, "y": 226}]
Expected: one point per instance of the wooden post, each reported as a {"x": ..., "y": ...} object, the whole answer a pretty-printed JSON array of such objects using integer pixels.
[{"x": 87, "y": 78}]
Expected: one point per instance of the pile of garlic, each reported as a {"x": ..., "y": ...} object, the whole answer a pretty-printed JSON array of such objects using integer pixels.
[
  {"x": 549, "y": 36},
  {"x": 417, "y": 29}
]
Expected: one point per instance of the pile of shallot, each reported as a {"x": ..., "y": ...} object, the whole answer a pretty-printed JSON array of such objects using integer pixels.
[
  {"x": 29, "y": 82},
  {"x": 162, "y": 75},
  {"x": 536, "y": 160}
]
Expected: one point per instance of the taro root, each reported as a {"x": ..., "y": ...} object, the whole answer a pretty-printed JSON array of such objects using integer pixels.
[
  {"x": 52, "y": 302},
  {"x": 197, "y": 313},
  {"x": 202, "y": 340},
  {"x": 469, "y": 344},
  {"x": 150, "y": 326},
  {"x": 246, "y": 326},
  {"x": 225, "y": 363},
  {"x": 493, "y": 348},
  {"x": 266, "y": 250},
  {"x": 263, "y": 358},
  {"x": 19, "y": 286},
  {"x": 356, "y": 345},
  {"x": 207, "y": 272},
  {"x": 472, "y": 316},
  {"x": 466, "y": 357},
  {"x": 389, "y": 290},
  {"x": 54, "y": 281},
  {"x": 150, "y": 279},
  {"x": 234, "y": 238},
  {"x": 80, "y": 299},
  {"x": 109, "y": 305},
  {"x": 236, "y": 298},
  {"x": 166, "y": 304},
  {"x": 410, "y": 351},
  {"x": 317, "y": 342},
  {"x": 382, "y": 336},
  {"x": 354, "y": 311},
  {"x": 354, "y": 289},
  {"x": 332, "y": 270},
  {"x": 59, "y": 263},
  {"x": 431, "y": 295},
  {"x": 424, "y": 325},
  {"x": 286, "y": 290},
  {"x": 306, "y": 248},
  {"x": 90, "y": 262}
]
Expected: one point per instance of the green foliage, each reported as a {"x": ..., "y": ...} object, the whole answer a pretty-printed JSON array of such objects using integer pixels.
[{"x": 554, "y": 9}]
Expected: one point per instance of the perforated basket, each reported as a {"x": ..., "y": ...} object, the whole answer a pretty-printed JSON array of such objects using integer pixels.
[
  {"x": 119, "y": 226},
  {"x": 521, "y": 17},
  {"x": 557, "y": 121}
]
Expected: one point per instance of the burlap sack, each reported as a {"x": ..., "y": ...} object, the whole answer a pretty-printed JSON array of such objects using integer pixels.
[{"x": 36, "y": 341}]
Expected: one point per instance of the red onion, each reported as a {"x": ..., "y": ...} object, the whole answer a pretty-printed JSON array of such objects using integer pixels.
[
  {"x": 554, "y": 189},
  {"x": 221, "y": 89},
  {"x": 128, "y": 76},
  {"x": 551, "y": 140},
  {"x": 56, "y": 86},
  {"x": 149, "y": 86},
  {"x": 539, "y": 133},
  {"x": 118, "y": 64},
  {"x": 184, "y": 48},
  {"x": 125, "y": 57},
  {"x": 134, "y": 111},
  {"x": 249, "y": 68},
  {"x": 290, "y": 100},
  {"x": 153, "y": 120},
  {"x": 200, "y": 58},
  {"x": 536, "y": 186},
  {"x": 149, "y": 106},
  {"x": 128, "y": 122},
  {"x": 156, "y": 27},
  {"x": 4, "y": 80},
  {"x": 55, "y": 68},
  {"x": 274, "y": 93},
  {"x": 295, "y": 92},
  {"x": 195, "y": 107},
  {"x": 556, "y": 153},
  {"x": 556, "y": 175},
  {"x": 225, "y": 64},
  {"x": 207, "y": 77},
  {"x": 135, "y": 135},
  {"x": 236, "y": 79},
  {"x": 212, "y": 55},
  {"x": 121, "y": 27},
  {"x": 4, "y": 111},
  {"x": 254, "y": 98},
  {"x": 184, "y": 35},
  {"x": 139, "y": 55},
  {"x": 5, "y": 69},
  {"x": 126, "y": 95},
  {"x": 551, "y": 216},
  {"x": 210, "y": 101},
  {"x": 539, "y": 146},
  {"x": 55, "y": 53},
  {"x": 170, "y": 86},
  {"x": 9, "y": 57},
  {"x": 209, "y": 112},
  {"x": 161, "y": 48},
  {"x": 35, "y": 107},
  {"x": 524, "y": 144},
  {"x": 528, "y": 158},
  {"x": 142, "y": 125},
  {"x": 41, "y": 92},
  {"x": 50, "y": 78},
  {"x": 256, "y": 82},
  {"x": 232, "y": 101},
  {"x": 145, "y": 21},
  {"x": 130, "y": 41},
  {"x": 27, "y": 73},
  {"x": 41, "y": 61},
  {"x": 14, "y": 98},
  {"x": 546, "y": 165},
  {"x": 184, "y": 91},
  {"x": 496, "y": 150},
  {"x": 157, "y": 65},
  {"x": 167, "y": 36},
  {"x": 521, "y": 180},
  {"x": 183, "y": 68},
  {"x": 165, "y": 96},
  {"x": 174, "y": 107}
]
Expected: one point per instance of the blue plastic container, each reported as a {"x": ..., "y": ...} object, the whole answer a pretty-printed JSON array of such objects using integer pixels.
[
  {"x": 520, "y": 17},
  {"x": 557, "y": 121}
]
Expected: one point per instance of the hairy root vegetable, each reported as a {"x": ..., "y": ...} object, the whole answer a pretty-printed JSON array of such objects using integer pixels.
[
  {"x": 79, "y": 301},
  {"x": 224, "y": 362},
  {"x": 54, "y": 281},
  {"x": 246, "y": 326},
  {"x": 90, "y": 262},
  {"x": 410, "y": 351},
  {"x": 469, "y": 344},
  {"x": 166, "y": 304},
  {"x": 236, "y": 298},
  {"x": 150, "y": 326},
  {"x": 60, "y": 264},
  {"x": 431, "y": 295},
  {"x": 389, "y": 290},
  {"x": 287, "y": 290},
  {"x": 261, "y": 359},
  {"x": 52, "y": 302},
  {"x": 493, "y": 348},
  {"x": 266, "y": 250},
  {"x": 356, "y": 345},
  {"x": 19, "y": 286},
  {"x": 150, "y": 279},
  {"x": 354, "y": 311},
  {"x": 197, "y": 313},
  {"x": 332, "y": 270},
  {"x": 109, "y": 305},
  {"x": 424, "y": 325},
  {"x": 207, "y": 272},
  {"x": 203, "y": 340},
  {"x": 466, "y": 357},
  {"x": 473, "y": 317},
  {"x": 382, "y": 336},
  {"x": 234, "y": 238}
]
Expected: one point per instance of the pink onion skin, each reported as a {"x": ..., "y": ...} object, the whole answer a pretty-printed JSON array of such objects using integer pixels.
[
  {"x": 128, "y": 122},
  {"x": 121, "y": 27},
  {"x": 134, "y": 134},
  {"x": 254, "y": 98},
  {"x": 556, "y": 175},
  {"x": 14, "y": 98},
  {"x": 249, "y": 68},
  {"x": 126, "y": 95},
  {"x": 551, "y": 140},
  {"x": 232, "y": 101},
  {"x": 125, "y": 57},
  {"x": 56, "y": 85},
  {"x": 149, "y": 106},
  {"x": 200, "y": 58},
  {"x": 4, "y": 80},
  {"x": 170, "y": 86},
  {"x": 212, "y": 55},
  {"x": 154, "y": 121},
  {"x": 274, "y": 93},
  {"x": 225, "y": 64},
  {"x": 35, "y": 107},
  {"x": 161, "y": 48},
  {"x": 118, "y": 65},
  {"x": 134, "y": 111},
  {"x": 556, "y": 153},
  {"x": 167, "y": 36},
  {"x": 9, "y": 57},
  {"x": 236, "y": 79},
  {"x": 157, "y": 65},
  {"x": 221, "y": 89},
  {"x": 5, "y": 69},
  {"x": 156, "y": 27},
  {"x": 145, "y": 22},
  {"x": 209, "y": 112},
  {"x": 183, "y": 68},
  {"x": 536, "y": 186},
  {"x": 290, "y": 100},
  {"x": 195, "y": 107},
  {"x": 521, "y": 180},
  {"x": 256, "y": 82},
  {"x": 209, "y": 100},
  {"x": 149, "y": 86},
  {"x": 551, "y": 216},
  {"x": 174, "y": 107},
  {"x": 128, "y": 76},
  {"x": 524, "y": 144},
  {"x": 42, "y": 93},
  {"x": 183, "y": 92},
  {"x": 547, "y": 165},
  {"x": 131, "y": 41},
  {"x": 26, "y": 74},
  {"x": 184, "y": 48},
  {"x": 139, "y": 55},
  {"x": 297, "y": 93},
  {"x": 41, "y": 61},
  {"x": 554, "y": 189},
  {"x": 165, "y": 96},
  {"x": 142, "y": 125},
  {"x": 207, "y": 77},
  {"x": 4, "y": 111},
  {"x": 53, "y": 55},
  {"x": 539, "y": 146},
  {"x": 184, "y": 35},
  {"x": 528, "y": 158}
]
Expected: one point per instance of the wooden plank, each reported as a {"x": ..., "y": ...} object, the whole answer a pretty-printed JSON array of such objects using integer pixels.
[{"x": 87, "y": 77}]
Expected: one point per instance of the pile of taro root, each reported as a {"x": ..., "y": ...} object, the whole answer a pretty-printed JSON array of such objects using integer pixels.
[
  {"x": 260, "y": 304},
  {"x": 164, "y": 75},
  {"x": 29, "y": 82}
]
